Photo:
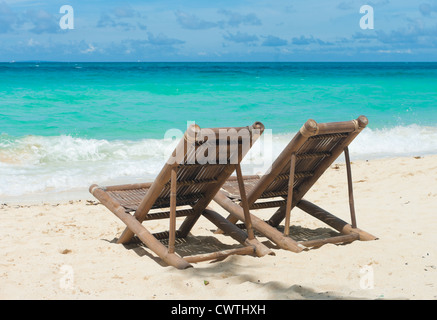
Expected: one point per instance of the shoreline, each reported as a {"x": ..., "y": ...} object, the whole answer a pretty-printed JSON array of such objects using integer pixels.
[
  {"x": 37, "y": 169},
  {"x": 82, "y": 194},
  {"x": 66, "y": 250}
]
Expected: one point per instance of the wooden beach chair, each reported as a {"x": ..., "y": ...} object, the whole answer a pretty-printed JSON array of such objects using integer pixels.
[
  {"x": 313, "y": 149},
  {"x": 202, "y": 161}
]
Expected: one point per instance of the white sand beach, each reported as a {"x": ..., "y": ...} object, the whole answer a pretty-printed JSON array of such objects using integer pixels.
[{"x": 66, "y": 250}]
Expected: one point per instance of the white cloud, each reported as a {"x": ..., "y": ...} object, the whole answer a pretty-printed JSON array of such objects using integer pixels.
[
  {"x": 90, "y": 49},
  {"x": 191, "y": 21},
  {"x": 395, "y": 51},
  {"x": 32, "y": 43}
]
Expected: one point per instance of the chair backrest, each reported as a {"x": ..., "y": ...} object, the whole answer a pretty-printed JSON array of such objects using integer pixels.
[
  {"x": 204, "y": 159},
  {"x": 316, "y": 147}
]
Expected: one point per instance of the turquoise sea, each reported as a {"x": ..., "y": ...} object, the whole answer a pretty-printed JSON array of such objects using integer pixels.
[{"x": 64, "y": 126}]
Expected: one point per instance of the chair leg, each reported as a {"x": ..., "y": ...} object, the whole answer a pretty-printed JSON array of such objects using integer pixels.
[
  {"x": 135, "y": 227},
  {"x": 231, "y": 219},
  {"x": 289, "y": 195},
  {"x": 333, "y": 221},
  {"x": 244, "y": 204},
  {"x": 350, "y": 187},
  {"x": 277, "y": 217},
  {"x": 157, "y": 247},
  {"x": 236, "y": 233},
  {"x": 172, "y": 228},
  {"x": 270, "y": 232}
]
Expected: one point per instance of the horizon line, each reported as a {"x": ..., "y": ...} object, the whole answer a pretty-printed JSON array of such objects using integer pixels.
[{"x": 188, "y": 61}]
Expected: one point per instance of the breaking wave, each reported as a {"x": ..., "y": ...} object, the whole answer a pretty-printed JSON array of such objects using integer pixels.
[{"x": 42, "y": 165}]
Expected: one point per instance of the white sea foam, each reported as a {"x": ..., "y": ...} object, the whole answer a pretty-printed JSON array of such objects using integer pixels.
[
  {"x": 36, "y": 164},
  {"x": 412, "y": 140},
  {"x": 47, "y": 165}
]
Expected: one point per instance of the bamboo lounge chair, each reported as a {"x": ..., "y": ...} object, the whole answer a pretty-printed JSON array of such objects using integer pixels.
[
  {"x": 313, "y": 149},
  {"x": 184, "y": 187}
]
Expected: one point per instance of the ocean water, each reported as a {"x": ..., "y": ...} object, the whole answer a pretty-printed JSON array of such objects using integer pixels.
[{"x": 65, "y": 126}]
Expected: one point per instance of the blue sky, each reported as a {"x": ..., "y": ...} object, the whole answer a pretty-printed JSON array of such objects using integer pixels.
[{"x": 221, "y": 30}]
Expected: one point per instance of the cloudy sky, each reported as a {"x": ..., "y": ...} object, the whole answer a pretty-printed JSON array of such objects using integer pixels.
[{"x": 220, "y": 30}]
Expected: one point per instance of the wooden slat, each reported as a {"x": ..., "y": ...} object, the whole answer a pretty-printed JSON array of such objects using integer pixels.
[
  {"x": 194, "y": 181},
  {"x": 297, "y": 175},
  {"x": 164, "y": 235},
  {"x": 268, "y": 204},
  {"x": 272, "y": 194},
  {"x": 313, "y": 155},
  {"x": 181, "y": 199},
  {"x": 338, "y": 239},
  {"x": 166, "y": 214},
  {"x": 206, "y": 165},
  {"x": 329, "y": 136},
  {"x": 219, "y": 254}
]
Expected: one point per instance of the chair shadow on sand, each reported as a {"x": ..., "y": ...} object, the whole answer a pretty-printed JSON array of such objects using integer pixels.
[
  {"x": 187, "y": 246},
  {"x": 207, "y": 244},
  {"x": 299, "y": 233},
  {"x": 274, "y": 289}
]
